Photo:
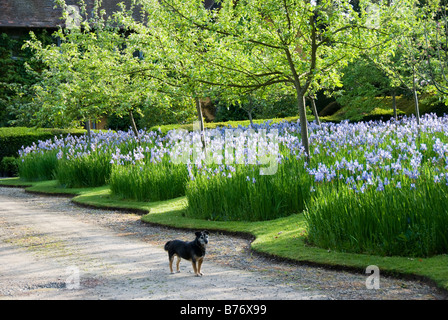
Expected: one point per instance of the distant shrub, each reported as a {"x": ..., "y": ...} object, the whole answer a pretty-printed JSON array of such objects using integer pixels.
[{"x": 8, "y": 167}]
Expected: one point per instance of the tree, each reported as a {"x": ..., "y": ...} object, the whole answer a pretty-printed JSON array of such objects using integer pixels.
[
  {"x": 363, "y": 81},
  {"x": 91, "y": 71},
  {"x": 435, "y": 49},
  {"x": 76, "y": 85},
  {"x": 15, "y": 81},
  {"x": 282, "y": 45},
  {"x": 405, "y": 63}
]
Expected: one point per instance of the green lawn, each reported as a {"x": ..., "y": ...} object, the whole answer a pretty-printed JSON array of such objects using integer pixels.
[{"x": 282, "y": 238}]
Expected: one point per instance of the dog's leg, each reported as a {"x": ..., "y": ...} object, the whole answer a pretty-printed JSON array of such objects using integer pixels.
[
  {"x": 171, "y": 263},
  {"x": 200, "y": 260},
  {"x": 177, "y": 264},
  {"x": 195, "y": 269}
]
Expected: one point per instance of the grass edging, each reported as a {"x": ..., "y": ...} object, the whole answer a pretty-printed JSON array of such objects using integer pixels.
[{"x": 281, "y": 239}]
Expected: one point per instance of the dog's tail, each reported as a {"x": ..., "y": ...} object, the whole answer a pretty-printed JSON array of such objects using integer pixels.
[{"x": 167, "y": 245}]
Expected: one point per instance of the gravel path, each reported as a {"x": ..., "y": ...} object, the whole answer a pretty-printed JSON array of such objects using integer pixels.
[{"x": 53, "y": 249}]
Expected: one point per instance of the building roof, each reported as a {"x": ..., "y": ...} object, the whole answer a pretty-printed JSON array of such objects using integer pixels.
[{"x": 42, "y": 13}]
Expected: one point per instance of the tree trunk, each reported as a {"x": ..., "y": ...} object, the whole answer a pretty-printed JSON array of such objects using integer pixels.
[
  {"x": 249, "y": 113},
  {"x": 89, "y": 133},
  {"x": 300, "y": 92},
  {"x": 303, "y": 122},
  {"x": 134, "y": 126},
  {"x": 313, "y": 107},
  {"x": 414, "y": 89},
  {"x": 394, "y": 105},
  {"x": 201, "y": 120},
  {"x": 417, "y": 110}
]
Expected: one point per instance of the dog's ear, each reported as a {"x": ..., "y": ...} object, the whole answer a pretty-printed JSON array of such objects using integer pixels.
[
  {"x": 198, "y": 234},
  {"x": 206, "y": 232}
]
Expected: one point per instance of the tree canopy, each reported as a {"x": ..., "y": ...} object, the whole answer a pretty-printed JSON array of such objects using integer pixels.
[
  {"x": 261, "y": 46},
  {"x": 239, "y": 48}
]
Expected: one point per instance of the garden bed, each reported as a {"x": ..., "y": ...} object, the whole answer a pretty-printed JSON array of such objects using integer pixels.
[{"x": 369, "y": 191}]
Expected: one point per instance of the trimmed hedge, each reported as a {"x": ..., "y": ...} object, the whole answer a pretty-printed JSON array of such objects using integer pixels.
[
  {"x": 9, "y": 167},
  {"x": 211, "y": 125},
  {"x": 13, "y": 138}
]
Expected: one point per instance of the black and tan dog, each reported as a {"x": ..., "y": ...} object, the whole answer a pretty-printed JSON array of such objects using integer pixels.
[{"x": 193, "y": 251}]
